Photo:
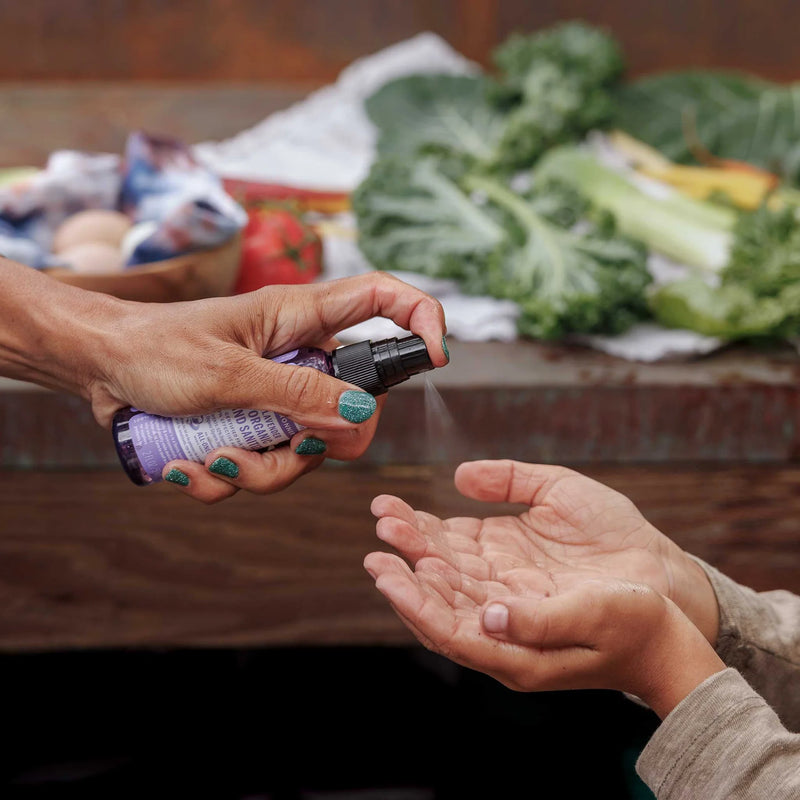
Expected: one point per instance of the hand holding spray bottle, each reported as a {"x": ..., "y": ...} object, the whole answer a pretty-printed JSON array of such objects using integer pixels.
[{"x": 146, "y": 442}]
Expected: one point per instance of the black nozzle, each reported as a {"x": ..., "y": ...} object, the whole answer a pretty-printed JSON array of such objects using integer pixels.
[{"x": 375, "y": 366}]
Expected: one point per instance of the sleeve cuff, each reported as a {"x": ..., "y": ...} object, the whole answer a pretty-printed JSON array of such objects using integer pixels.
[{"x": 674, "y": 753}]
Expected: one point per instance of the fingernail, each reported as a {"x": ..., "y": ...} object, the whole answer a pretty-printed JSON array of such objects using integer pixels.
[
  {"x": 311, "y": 447},
  {"x": 357, "y": 406},
  {"x": 176, "y": 476},
  {"x": 224, "y": 466},
  {"x": 444, "y": 347},
  {"x": 495, "y": 618}
]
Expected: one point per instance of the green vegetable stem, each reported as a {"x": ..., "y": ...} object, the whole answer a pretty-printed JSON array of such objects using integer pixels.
[
  {"x": 691, "y": 232},
  {"x": 579, "y": 278}
]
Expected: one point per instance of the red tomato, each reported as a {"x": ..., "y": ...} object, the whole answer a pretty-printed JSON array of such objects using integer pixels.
[{"x": 277, "y": 247}]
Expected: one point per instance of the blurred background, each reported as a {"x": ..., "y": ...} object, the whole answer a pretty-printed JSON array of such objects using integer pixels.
[
  {"x": 94, "y": 50},
  {"x": 152, "y": 647}
]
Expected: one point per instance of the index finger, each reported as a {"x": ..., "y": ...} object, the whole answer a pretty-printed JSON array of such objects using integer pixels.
[{"x": 332, "y": 306}]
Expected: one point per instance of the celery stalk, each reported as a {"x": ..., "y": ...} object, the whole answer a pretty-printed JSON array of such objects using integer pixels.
[{"x": 688, "y": 231}]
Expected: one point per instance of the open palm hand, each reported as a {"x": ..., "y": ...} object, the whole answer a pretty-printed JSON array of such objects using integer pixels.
[{"x": 577, "y": 540}]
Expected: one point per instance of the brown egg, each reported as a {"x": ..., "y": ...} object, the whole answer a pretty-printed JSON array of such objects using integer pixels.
[
  {"x": 97, "y": 225},
  {"x": 93, "y": 258}
]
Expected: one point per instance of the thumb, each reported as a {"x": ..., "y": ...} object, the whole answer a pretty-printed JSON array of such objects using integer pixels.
[
  {"x": 565, "y": 620},
  {"x": 300, "y": 389},
  {"x": 506, "y": 481}
]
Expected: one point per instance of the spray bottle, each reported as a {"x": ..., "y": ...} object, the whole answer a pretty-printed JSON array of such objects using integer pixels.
[{"x": 146, "y": 442}]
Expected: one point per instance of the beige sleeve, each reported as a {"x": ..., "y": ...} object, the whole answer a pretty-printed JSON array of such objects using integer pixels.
[
  {"x": 759, "y": 635},
  {"x": 722, "y": 742}
]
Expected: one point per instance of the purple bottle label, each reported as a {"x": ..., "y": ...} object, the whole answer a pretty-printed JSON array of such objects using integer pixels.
[{"x": 159, "y": 440}]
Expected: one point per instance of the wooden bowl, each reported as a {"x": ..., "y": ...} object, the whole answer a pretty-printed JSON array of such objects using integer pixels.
[{"x": 206, "y": 273}]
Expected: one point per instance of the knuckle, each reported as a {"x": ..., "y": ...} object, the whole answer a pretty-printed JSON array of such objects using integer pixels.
[
  {"x": 351, "y": 444},
  {"x": 302, "y": 386}
]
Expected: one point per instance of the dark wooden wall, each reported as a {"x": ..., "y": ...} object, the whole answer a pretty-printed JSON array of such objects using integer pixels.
[{"x": 310, "y": 41}]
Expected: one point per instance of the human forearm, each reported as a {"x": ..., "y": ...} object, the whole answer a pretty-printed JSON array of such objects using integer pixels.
[
  {"x": 50, "y": 333},
  {"x": 674, "y": 663},
  {"x": 758, "y": 633},
  {"x": 691, "y": 590}
]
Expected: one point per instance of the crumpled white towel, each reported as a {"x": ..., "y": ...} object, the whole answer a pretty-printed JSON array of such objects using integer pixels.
[
  {"x": 650, "y": 342},
  {"x": 326, "y": 141}
]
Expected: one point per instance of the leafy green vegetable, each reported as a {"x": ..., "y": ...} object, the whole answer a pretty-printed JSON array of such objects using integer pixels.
[
  {"x": 759, "y": 294},
  {"x": 766, "y": 253},
  {"x": 731, "y": 115},
  {"x": 556, "y": 85},
  {"x": 754, "y": 256},
  {"x": 689, "y": 231},
  {"x": 437, "y": 114},
  {"x": 572, "y": 250},
  {"x": 566, "y": 267},
  {"x": 438, "y": 199},
  {"x": 730, "y": 311},
  {"x": 586, "y": 55},
  {"x": 552, "y": 87},
  {"x": 412, "y": 216},
  {"x": 583, "y": 278}
]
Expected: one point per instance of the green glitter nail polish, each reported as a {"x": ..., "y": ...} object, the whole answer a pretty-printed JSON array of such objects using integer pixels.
[
  {"x": 311, "y": 447},
  {"x": 444, "y": 347},
  {"x": 357, "y": 406},
  {"x": 176, "y": 476},
  {"x": 224, "y": 466}
]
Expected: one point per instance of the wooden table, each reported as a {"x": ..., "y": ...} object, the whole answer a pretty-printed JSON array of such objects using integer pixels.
[{"x": 707, "y": 449}]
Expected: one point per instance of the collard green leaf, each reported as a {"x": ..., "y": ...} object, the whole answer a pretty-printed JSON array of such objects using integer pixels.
[
  {"x": 436, "y": 114},
  {"x": 729, "y": 115}
]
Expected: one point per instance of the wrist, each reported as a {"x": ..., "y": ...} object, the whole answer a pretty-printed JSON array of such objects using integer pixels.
[
  {"x": 680, "y": 659},
  {"x": 52, "y": 334},
  {"x": 690, "y": 589},
  {"x": 692, "y": 592}
]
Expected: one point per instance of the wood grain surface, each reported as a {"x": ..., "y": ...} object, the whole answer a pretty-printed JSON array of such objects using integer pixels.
[
  {"x": 39, "y": 118},
  {"x": 311, "y": 41}
]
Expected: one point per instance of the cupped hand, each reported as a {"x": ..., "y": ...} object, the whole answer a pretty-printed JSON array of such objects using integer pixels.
[
  {"x": 197, "y": 357},
  {"x": 577, "y": 547}
]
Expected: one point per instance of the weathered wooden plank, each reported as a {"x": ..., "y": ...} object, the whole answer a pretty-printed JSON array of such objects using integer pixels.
[
  {"x": 41, "y": 118},
  {"x": 523, "y": 400},
  {"x": 311, "y": 41}
]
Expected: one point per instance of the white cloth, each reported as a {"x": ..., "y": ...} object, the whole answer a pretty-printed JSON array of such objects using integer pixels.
[{"x": 326, "y": 141}]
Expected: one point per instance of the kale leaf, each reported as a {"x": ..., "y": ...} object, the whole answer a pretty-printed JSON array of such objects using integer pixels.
[
  {"x": 564, "y": 264},
  {"x": 759, "y": 290},
  {"x": 551, "y": 87},
  {"x": 413, "y": 217}
]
